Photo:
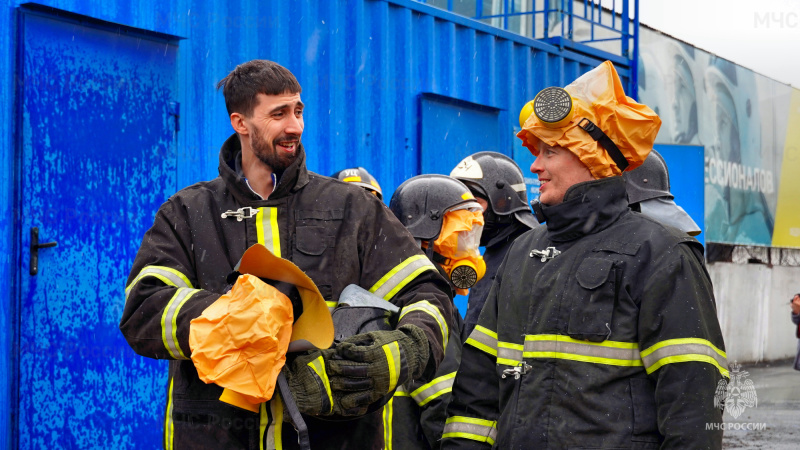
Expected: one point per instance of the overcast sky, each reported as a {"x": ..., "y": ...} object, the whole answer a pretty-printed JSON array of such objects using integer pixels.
[{"x": 762, "y": 35}]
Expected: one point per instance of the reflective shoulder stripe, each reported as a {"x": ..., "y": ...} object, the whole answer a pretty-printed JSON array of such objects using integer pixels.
[
  {"x": 318, "y": 366},
  {"x": 685, "y": 350},
  {"x": 169, "y": 325},
  {"x": 483, "y": 339},
  {"x": 167, "y": 275},
  {"x": 397, "y": 278},
  {"x": 435, "y": 389},
  {"x": 267, "y": 229},
  {"x": 470, "y": 428},
  {"x": 428, "y": 308},
  {"x": 614, "y": 353},
  {"x": 388, "y": 417},
  {"x": 169, "y": 425}
]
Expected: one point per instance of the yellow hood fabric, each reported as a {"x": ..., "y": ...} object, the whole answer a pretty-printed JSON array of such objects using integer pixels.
[
  {"x": 448, "y": 243},
  {"x": 240, "y": 341},
  {"x": 598, "y": 96}
]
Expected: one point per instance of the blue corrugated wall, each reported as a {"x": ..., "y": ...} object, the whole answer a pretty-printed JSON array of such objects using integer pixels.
[{"x": 362, "y": 63}]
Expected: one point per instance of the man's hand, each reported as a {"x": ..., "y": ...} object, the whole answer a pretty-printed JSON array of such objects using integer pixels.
[
  {"x": 361, "y": 370},
  {"x": 796, "y": 304}
]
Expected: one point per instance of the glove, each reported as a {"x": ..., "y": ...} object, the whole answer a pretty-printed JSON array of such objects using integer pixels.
[{"x": 346, "y": 380}]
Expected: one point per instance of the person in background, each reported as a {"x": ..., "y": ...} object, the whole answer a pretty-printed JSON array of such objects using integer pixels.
[
  {"x": 360, "y": 177},
  {"x": 600, "y": 329},
  {"x": 796, "y": 319},
  {"x": 446, "y": 221},
  {"x": 649, "y": 193},
  {"x": 334, "y": 232},
  {"x": 497, "y": 183}
]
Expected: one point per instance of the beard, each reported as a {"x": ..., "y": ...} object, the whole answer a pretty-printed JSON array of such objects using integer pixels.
[{"x": 267, "y": 152}]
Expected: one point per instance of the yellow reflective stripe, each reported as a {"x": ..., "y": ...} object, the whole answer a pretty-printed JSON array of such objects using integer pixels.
[
  {"x": 318, "y": 366},
  {"x": 392, "y": 351},
  {"x": 331, "y": 305},
  {"x": 614, "y": 353},
  {"x": 508, "y": 353},
  {"x": 470, "y": 428},
  {"x": 169, "y": 322},
  {"x": 169, "y": 425},
  {"x": 352, "y": 179},
  {"x": 427, "y": 307},
  {"x": 685, "y": 350},
  {"x": 275, "y": 430},
  {"x": 263, "y": 422},
  {"x": 435, "y": 389},
  {"x": 267, "y": 229},
  {"x": 397, "y": 278},
  {"x": 401, "y": 392},
  {"x": 388, "y": 417},
  {"x": 167, "y": 275},
  {"x": 483, "y": 339}
]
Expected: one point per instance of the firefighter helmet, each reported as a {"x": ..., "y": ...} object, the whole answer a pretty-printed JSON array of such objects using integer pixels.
[
  {"x": 360, "y": 177},
  {"x": 421, "y": 202},
  {"x": 650, "y": 180}
]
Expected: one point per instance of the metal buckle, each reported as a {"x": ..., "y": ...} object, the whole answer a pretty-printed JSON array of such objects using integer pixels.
[
  {"x": 241, "y": 213},
  {"x": 546, "y": 254},
  {"x": 520, "y": 369}
]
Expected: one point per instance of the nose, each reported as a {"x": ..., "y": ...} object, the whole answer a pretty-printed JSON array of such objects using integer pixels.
[
  {"x": 295, "y": 125},
  {"x": 536, "y": 167}
]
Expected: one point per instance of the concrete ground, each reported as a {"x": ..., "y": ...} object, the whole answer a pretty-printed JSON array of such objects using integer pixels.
[{"x": 777, "y": 386}]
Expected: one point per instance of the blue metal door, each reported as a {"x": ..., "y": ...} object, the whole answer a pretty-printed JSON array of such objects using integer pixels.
[{"x": 96, "y": 158}]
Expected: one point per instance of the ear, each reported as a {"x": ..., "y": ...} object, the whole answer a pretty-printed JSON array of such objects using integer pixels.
[{"x": 239, "y": 124}]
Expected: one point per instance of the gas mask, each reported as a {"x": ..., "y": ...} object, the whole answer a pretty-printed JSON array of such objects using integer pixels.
[{"x": 456, "y": 248}]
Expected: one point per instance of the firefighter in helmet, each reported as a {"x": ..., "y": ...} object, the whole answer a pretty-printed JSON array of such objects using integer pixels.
[
  {"x": 446, "y": 220},
  {"x": 360, "y": 177}
]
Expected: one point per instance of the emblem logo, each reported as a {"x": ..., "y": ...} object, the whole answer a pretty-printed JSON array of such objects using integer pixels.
[{"x": 737, "y": 394}]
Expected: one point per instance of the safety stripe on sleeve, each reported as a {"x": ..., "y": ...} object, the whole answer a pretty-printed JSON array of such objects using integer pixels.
[
  {"x": 392, "y": 351},
  {"x": 318, "y": 366},
  {"x": 685, "y": 350},
  {"x": 480, "y": 430},
  {"x": 169, "y": 425},
  {"x": 167, "y": 275},
  {"x": 275, "y": 428},
  {"x": 397, "y": 278},
  {"x": 428, "y": 308},
  {"x": 267, "y": 229},
  {"x": 435, "y": 389},
  {"x": 388, "y": 417},
  {"x": 169, "y": 325},
  {"x": 483, "y": 339}
]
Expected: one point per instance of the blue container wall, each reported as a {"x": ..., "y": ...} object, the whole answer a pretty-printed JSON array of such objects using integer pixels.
[{"x": 363, "y": 65}]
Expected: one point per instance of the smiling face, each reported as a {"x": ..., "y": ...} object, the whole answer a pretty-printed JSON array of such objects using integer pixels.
[
  {"x": 558, "y": 170},
  {"x": 274, "y": 129}
]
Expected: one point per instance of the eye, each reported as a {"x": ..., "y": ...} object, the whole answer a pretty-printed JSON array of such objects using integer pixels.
[
  {"x": 299, "y": 113},
  {"x": 277, "y": 114}
]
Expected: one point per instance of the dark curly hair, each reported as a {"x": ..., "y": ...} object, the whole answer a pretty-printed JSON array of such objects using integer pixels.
[{"x": 259, "y": 76}]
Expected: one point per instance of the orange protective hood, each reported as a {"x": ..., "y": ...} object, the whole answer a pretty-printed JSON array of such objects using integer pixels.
[{"x": 598, "y": 96}]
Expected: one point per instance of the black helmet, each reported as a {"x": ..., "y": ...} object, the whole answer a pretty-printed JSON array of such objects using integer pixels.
[
  {"x": 360, "y": 177},
  {"x": 650, "y": 180},
  {"x": 421, "y": 202},
  {"x": 499, "y": 179}
]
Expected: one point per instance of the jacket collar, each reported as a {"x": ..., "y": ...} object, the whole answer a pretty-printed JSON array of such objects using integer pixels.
[
  {"x": 588, "y": 208},
  {"x": 291, "y": 180}
]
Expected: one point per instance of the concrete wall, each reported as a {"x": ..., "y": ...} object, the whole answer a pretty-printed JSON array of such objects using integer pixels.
[{"x": 753, "y": 308}]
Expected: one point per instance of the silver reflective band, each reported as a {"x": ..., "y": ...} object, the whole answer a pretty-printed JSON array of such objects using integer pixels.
[
  {"x": 170, "y": 277},
  {"x": 400, "y": 276},
  {"x": 434, "y": 389}
]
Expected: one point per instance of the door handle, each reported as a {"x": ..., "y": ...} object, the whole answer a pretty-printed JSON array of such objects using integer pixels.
[{"x": 35, "y": 246}]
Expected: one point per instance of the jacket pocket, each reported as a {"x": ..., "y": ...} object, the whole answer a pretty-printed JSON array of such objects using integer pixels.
[
  {"x": 645, "y": 424},
  {"x": 593, "y": 298},
  {"x": 314, "y": 254}
]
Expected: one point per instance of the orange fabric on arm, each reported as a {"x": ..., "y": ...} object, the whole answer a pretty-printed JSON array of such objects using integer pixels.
[{"x": 240, "y": 341}]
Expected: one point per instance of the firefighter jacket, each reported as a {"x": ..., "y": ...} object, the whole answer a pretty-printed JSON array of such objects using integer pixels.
[
  {"x": 336, "y": 233},
  {"x": 600, "y": 331},
  {"x": 496, "y": 250}
]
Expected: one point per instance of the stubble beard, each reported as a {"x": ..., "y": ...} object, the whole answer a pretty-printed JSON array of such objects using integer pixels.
[{"x": 268, "y": 154}]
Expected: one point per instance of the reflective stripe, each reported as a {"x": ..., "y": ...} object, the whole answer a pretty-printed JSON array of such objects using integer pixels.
[
  {"x": 518, "y": 187},
  {"x": 685, "y": 350},
  {"x": 392, "y": 351},
  {"x": 167, "y": 275},
  {"x": 484, "y": 339},
  {"x": 436, "y": 388},
  {"x": 267, "y": 229},
  {"x": 275, "y": 429},
  {"x": 169, "y": 425},
  {"x": 427, "y": 307},
  {"x": 401, "y": 392},
  {"x": 332, "y": 305},
  {"x": 388, "y": 417},
  {"x": 318, "y": 366},
  {"x": 169, "y": 325},
  {"x": 557, "y": 346},
  {"x": 400, "y": 276},
  {"x": 470, "y": 428},
  {"x": 263, "y": 423}
]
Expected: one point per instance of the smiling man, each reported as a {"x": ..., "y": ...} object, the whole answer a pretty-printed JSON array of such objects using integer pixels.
[
  {"x": 337, "y": 233},
  {"x": 600, "y": 330}
]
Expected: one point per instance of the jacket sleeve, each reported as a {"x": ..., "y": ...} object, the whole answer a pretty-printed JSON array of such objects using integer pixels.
[
  {"x": 161, "y": 295},
  {"x": 473, "y": 410},
  {"x": 394, "y": 268},
  {"x": 682, "y": 349}
]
